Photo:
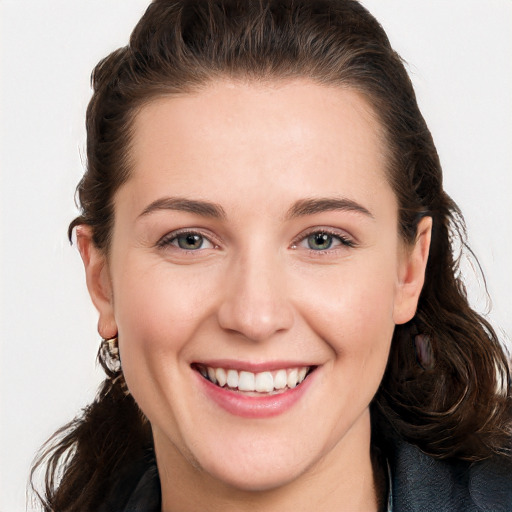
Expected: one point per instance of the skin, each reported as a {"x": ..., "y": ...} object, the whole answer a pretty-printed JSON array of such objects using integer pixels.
[{"x": 256, "y": 291}]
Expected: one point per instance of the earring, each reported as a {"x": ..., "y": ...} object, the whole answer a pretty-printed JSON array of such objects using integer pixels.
[
  {"x": 113, "y": 347},
  {"x": 424, "y": 351},
  {"x": 110, "y": 360},
  {"x": 109, "y": 355}
]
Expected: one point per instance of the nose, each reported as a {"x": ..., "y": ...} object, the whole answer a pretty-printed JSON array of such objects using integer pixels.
[{"x": 255, "y": 302}]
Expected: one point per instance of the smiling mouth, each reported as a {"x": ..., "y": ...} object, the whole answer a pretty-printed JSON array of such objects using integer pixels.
[{"x": 267, "y": 382}]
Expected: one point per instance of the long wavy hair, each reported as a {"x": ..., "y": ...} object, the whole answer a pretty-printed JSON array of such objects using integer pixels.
[{"x": 447, "y": 387}]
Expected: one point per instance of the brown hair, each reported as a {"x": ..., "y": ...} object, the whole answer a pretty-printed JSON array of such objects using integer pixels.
[{"x": 447, "y": 385}]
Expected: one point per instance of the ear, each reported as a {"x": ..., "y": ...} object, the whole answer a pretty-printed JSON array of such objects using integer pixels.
[
  {"x": 98, "y": 281},
  {"x": 411, "y": 273}
]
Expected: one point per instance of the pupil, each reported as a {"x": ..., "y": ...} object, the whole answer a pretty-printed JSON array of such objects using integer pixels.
[
  {"x": 190, "y": 241},
  {"x": 320, "y": 241}
]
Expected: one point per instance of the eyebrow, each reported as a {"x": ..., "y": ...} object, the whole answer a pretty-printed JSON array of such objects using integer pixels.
[
  {"x": 198, "y": 207},
  {"x": 300, "y": 208},
  {"x": 311, "y": 206}
]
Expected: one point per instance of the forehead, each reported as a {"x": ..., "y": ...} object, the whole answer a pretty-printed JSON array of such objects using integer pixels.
[{"x": 298, "y": 137}]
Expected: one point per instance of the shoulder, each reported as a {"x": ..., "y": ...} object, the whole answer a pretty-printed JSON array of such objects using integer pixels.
[{"x": 422, "y": 483}]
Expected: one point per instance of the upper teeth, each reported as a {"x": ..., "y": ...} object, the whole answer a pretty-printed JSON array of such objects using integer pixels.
[{"x": 263, "y": 382}]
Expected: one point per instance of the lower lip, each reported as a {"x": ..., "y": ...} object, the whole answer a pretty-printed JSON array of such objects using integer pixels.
[{"x": 246, "y": 406}]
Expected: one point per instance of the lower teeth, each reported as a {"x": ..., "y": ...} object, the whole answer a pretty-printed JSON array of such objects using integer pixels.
[{"x": 273, "y": 392}]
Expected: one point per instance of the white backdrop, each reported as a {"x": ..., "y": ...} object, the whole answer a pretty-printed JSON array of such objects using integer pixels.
[{"x": 459, "y": 54}]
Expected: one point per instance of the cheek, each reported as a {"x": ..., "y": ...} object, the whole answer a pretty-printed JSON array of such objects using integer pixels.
[
  {"x": 160, "y": 300},
  {"x": 353, "y": 312},
  {"x": 158, "y": 308}
]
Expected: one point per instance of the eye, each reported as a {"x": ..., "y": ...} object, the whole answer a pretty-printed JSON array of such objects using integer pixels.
[
  {"x": 323, "y": 240},
  {"x": 190, "y": 241},
  {"x": 187, "y": 241},
  {"x": 320, "y": 241}
]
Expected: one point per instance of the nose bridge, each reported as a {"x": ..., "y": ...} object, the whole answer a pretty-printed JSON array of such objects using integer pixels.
[{"x": 255, "y": 302}]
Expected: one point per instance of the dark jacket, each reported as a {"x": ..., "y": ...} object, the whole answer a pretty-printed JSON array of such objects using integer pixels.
[
  {"x": 419, "y": 484},
  {"x": 423, "y": 484}
]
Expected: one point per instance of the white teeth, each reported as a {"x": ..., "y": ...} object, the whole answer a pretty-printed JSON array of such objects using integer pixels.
[
  {"x": 211, "y": 375},
  {"x": 280, "y": 379},
  {"x": 263, "y": 382},
  {"x": 292, "y": 378},
  {"x": 232, "y": 378},
  {"x": 220, "y": 373},
  {"x": 246, "y": 381}
]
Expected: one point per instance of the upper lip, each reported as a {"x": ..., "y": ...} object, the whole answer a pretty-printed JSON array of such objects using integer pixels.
[{"x": 254, "y": 367}]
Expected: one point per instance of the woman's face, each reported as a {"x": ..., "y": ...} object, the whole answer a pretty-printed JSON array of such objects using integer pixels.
[{"x": 257, "y": 242}]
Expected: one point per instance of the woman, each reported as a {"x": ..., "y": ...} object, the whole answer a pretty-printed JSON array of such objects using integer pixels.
[{"x": 267, "y": 241}]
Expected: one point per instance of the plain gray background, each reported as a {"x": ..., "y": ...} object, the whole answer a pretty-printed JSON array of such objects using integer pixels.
[{"x": 459, "y": 54}]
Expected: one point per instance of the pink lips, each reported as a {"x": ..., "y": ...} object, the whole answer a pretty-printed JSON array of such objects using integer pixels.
[{"x": 248, "y": 406}]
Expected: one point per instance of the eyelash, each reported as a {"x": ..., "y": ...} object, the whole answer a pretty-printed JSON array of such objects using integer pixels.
[
  {"x": 345, "y": 242},
  {"x": 168, "y": 239}
]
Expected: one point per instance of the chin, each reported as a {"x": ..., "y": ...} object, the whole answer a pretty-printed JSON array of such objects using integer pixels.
[
  {"x": 245, "y": 461},
  {"x": 271, "y": 476}
]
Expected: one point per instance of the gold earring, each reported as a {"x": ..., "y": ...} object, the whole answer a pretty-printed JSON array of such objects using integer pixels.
[
  {"x": 109, "y": 359},
  {"x": 113, "y": 347},
  {"x": 108, "y": 356}
]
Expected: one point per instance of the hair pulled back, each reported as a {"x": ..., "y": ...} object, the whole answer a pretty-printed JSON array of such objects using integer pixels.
[{"x": 457, "y": 402}]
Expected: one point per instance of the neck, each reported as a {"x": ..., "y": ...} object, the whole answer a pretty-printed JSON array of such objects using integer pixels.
[{"x": 343, "y": 479}]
